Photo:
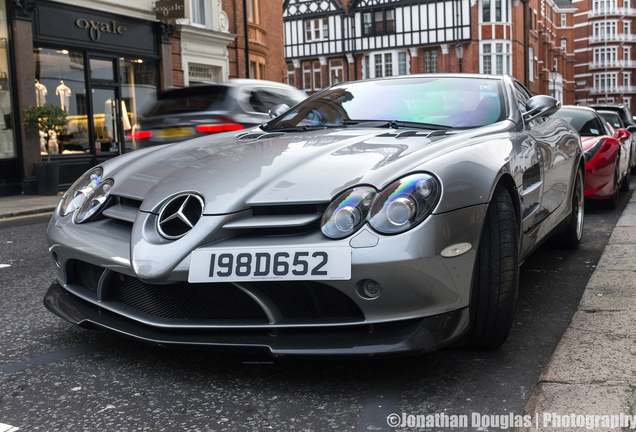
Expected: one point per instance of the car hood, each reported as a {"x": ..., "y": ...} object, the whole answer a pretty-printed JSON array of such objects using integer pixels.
[{"x": 257, "y": 168}]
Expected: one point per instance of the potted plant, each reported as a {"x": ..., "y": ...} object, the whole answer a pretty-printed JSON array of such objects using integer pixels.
[{"x": 50, "y": 121}]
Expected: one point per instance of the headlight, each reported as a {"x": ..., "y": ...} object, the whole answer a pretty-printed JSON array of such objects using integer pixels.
[
  {"x": 592, "y": 151},
  {"x": 348, "y": 212},
  {"x": 94, "y": 202},
  {"x": 77, "y": 193},
  {"x": 404, "y": 204},
  {"x": 398, "y": 208}
]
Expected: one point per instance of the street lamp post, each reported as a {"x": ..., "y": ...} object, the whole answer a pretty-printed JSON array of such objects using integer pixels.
[{"x": 459, "y": 50}]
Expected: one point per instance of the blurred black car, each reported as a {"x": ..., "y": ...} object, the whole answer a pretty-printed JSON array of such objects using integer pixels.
[
  {"x": 626, "y": 122},
  {"x": 183, "y": 113}
]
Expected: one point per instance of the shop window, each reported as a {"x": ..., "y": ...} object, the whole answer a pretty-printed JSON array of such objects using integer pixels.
[
  {"x": 430, "y": 61},
  {"x": 7, "y": 142},
  {"x": 102, "y": 69},
  {"x": 138, "y": 92},
  {"x": 335, "y": 71},
  {"x": 59, "y": 80}
]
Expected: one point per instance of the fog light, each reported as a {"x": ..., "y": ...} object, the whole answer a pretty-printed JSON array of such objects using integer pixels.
[{"x": 370, "y": 289}]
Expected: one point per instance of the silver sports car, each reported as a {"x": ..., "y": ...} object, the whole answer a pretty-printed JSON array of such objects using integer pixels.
[{"x": 375, "y": 217}]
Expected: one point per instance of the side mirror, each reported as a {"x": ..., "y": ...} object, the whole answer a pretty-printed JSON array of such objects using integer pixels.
[
  {"x": 622, "y": 134},
  {"x": 541, "y": 106},
  {"x": 278, "y": 110},
  {"x": 631, "y": 128}
]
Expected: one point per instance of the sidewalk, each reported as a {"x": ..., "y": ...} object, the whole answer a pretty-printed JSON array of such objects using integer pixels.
[
  {"x": 592, "y": 372},
  {"x": 20, "y": 205}
]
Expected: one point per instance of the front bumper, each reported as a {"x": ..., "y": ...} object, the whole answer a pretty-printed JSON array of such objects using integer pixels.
[
  {"x": 407, "y": 336},
  {"x": 423, "y": 304}
]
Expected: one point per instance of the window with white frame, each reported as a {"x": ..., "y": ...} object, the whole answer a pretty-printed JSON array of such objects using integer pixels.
[
  {"x": 627, "y": 4},
  {"x": 531, "y": 64},
  {"x": 199, "y": 13},
  {"x": 626, "y": 101},
  {"x": 307, "y": 76},
  {"x": 316, "y": 75},
  {"x": 291, "y": 75},
  {"x": 336, "y": 71},
  {"x": 430, "y": 61},
  {"x": 604, "y": 28},
  {"x": 627, "y": 54},
  {"x": 564, "y": 20},
  {"x": 626, "y": 79},
  {"x": 316, "y": 30},
  {"x": 627, "y": 26},
  {"x": 495, "y": 11},
  {"x": 605, "y": 81},
  {"x": 564, "y": 45},
  {"x": 389, "y": 63},
  {"x": 402, "y": 63},
  {"x": 496, "y": 57},
  {"x": 604, "y": 5},
  {"x": 605, "y": 55},
  {"x": 378, "y": 22}
]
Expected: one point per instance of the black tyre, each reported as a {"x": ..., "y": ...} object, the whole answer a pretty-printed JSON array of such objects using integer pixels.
[
  {"x": 573, "y": 233},
  {"x": 612, "y": 201},
  {"x": 627, "y": 180},
  {"x": 496, "y": 276}
]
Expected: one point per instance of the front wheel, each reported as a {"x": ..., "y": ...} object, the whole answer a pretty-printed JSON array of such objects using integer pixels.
[{"x": 496, "y": 276}]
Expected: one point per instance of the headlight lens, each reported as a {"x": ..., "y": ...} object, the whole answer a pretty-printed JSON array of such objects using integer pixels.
[
  {"x": 348, "y": 212},
  {"x": 398, "y": 208},
  {"x": 77, "y": 193},
  {"x": 404, "y": 204},
  {"x": 94, "y": 202},
  {"x": 592, "y": 151}
]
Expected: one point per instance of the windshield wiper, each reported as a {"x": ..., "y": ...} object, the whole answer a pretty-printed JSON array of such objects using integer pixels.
[
  {"x": 395, "y": 124},
  {"x": 417, "y": 125},
  {"x": 297, "y": 128}
]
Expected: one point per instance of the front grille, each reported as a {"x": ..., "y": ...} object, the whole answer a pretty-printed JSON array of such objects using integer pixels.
[
  {"x": 85, "y": 274},
  {"x": 185, "y": 301},
  {"x": 218, "y": 303}
]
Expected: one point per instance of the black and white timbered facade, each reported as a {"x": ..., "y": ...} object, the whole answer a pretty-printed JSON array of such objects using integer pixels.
[{"x": 327, "y": 41}]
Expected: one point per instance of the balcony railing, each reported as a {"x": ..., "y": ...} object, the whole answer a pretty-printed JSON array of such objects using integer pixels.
[
  {"x": 621, "y": 37},
  {"x": 620, "y": 64},
  {"x": 614, "y": 90},
  {"x": 612, "y": 12}
]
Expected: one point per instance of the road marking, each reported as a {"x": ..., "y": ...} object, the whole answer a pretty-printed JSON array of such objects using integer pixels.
[
  {"x": 7, "y": 428},
  {"x": 9, "y": 219},
  {"x": 56, "y": 356}
]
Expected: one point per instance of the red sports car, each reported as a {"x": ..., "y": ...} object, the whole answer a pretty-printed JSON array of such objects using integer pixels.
[{"x": 607, "y": 153}]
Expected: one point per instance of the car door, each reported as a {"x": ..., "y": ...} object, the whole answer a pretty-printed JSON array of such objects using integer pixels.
[{"x": 554, "y": 150}]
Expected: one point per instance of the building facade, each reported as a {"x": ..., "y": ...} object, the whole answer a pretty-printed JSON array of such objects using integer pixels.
[
  {"x": 330, "y": 41},
  {"x": 604, "y": 45}
]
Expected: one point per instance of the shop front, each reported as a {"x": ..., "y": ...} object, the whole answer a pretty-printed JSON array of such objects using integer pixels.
[{"x": 102, "y": 69}]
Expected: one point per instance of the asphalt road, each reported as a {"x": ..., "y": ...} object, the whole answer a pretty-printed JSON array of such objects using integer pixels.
[{"x": 56, "y": 377}]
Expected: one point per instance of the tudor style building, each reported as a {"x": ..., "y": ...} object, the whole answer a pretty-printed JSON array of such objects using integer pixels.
[{"x": 327, "y": 41}]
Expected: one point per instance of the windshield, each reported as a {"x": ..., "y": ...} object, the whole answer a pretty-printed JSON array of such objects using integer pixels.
[
  {"x": 431, "y": 101},
  {"x": 612, "y": 118},
  {"x": 584, "y": 121}
]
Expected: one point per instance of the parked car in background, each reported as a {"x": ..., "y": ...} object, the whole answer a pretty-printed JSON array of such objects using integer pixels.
[
  {"x": 375, "y": 217},
  {"x": 606, "y": 152},
  {"x": 627, "y": 122},
  {"x": 184, "y": 113}
]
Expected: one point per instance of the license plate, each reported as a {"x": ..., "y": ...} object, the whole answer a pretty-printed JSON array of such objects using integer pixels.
[
  {"x": 176, "y": 132},
  {"x": 254, "y": 264}
]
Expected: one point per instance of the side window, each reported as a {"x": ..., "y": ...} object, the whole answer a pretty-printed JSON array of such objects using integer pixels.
[
  {"x": 263, "y": 100},
  {"x": 523, "y": 96}
]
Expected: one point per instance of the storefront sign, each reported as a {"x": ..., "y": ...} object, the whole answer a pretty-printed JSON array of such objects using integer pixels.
[
  {"x": 170, "y": 9},
  {"x": 61, "y": 24},
  {"x": 96, "y": 28}
]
